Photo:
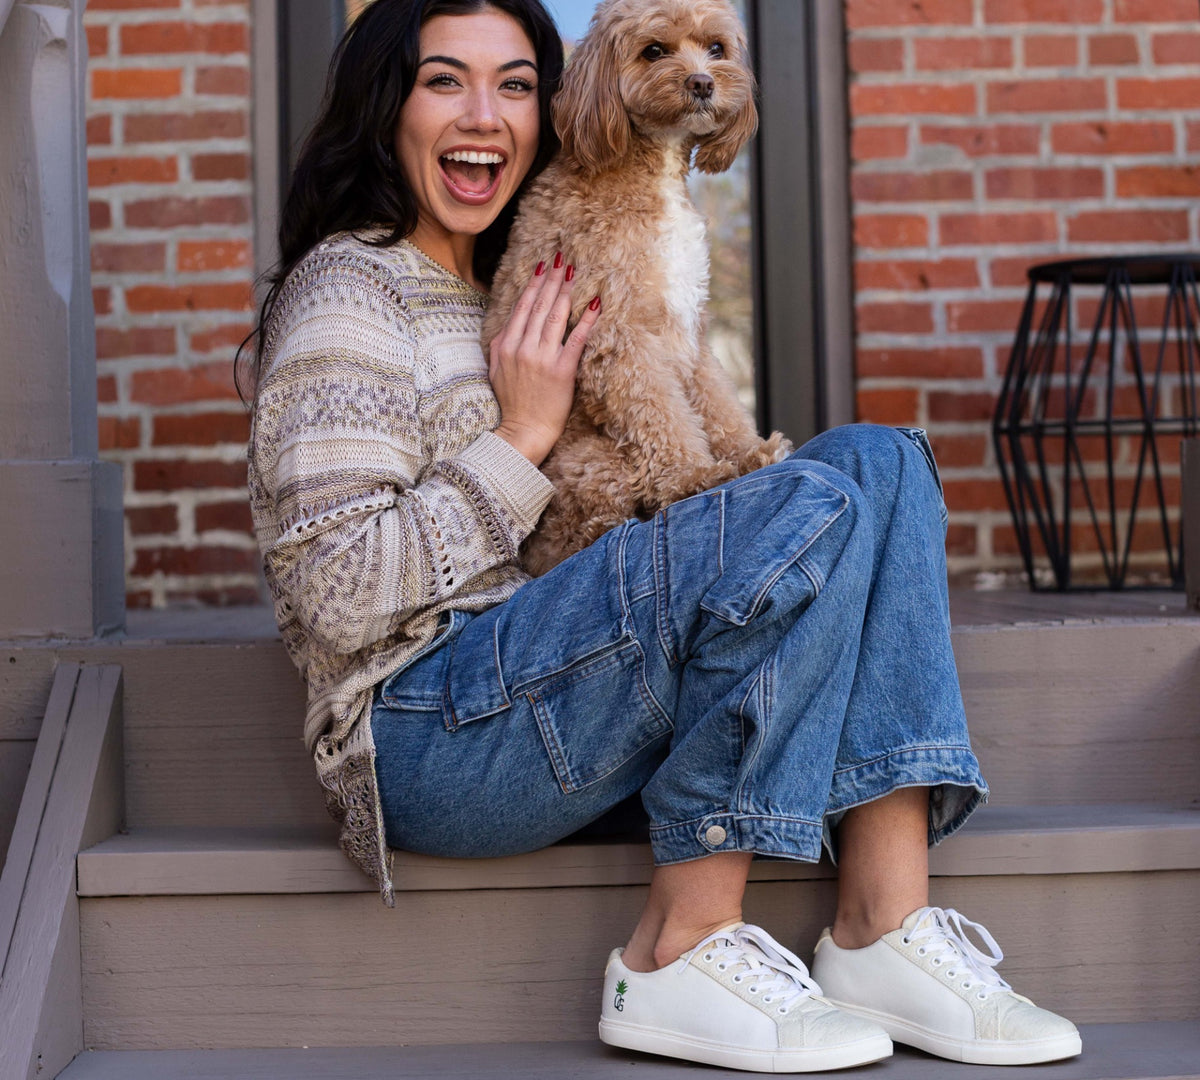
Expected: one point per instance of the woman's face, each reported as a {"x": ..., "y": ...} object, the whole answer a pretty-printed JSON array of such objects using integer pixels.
[{"x": 468, "y": 132}]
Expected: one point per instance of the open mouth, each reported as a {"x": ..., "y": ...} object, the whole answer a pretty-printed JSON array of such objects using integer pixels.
[{"x": 472, "y": 176}]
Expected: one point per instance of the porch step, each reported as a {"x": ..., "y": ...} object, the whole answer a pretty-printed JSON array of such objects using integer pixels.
[
  {"x": 244, "y": 940},
  {"x": 1149, "y": 1051}
]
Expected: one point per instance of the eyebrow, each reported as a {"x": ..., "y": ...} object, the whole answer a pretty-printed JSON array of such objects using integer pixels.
[{"x": 453, "y": 62}]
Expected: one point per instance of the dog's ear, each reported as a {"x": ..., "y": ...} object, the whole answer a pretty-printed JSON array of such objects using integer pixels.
[
  {"x": 588, "y": 113},
  {"x": 715, "y": 153}
]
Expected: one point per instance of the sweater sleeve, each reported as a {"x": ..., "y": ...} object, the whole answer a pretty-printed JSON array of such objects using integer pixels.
[{"x": 371, "y": 529}]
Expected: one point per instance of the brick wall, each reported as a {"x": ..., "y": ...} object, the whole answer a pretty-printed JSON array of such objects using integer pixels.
[
  {"x": 988, "y": 135},
  {"x": 172, "y": 265}
]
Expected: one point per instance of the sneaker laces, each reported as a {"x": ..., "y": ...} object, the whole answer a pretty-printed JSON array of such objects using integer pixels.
[
  {"x": 778, "y": 974},
  {"x": 944, "y": 931}
]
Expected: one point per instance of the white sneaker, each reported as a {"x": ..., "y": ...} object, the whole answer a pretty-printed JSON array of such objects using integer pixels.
[
  {"x": 738, "y": 999},
  {"x": 929, "y": 987}
]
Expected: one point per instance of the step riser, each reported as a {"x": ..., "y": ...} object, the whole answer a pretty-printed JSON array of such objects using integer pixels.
[{"x": 525, "y": 965}]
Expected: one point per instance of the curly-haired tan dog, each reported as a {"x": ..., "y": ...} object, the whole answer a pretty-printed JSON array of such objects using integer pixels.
[{"x": 655, "y": 419}]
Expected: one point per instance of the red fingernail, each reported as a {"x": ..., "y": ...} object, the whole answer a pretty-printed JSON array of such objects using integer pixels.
[
  {"x": 558, "y": 260},
  {"x": 570, "y": 272},
  {"x": 541, "y": 269},
  {"x": 595, "y": 304}
]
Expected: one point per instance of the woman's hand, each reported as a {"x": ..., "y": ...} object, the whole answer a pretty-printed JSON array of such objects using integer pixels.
[{"x": 532, "y": 368}]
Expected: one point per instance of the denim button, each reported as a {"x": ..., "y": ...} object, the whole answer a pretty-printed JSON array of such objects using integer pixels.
[{"x": 715, "y": 835}]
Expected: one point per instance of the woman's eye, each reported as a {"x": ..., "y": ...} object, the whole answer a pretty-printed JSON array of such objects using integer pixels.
[
  {"x": 716, "y": 50},
  {"x": 521, "y": 86},
  {"x": 443, "y": 79},
  {"x": 653, "y": 52}
]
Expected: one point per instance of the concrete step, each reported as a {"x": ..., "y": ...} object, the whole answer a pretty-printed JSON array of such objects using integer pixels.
[
  {"x": 1070, "y": 700},
  {"x": 241, "y": 941},
  {"x": 1149, "y": 1051}
]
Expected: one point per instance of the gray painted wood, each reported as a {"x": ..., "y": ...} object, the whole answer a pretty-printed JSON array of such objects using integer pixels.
[
  {"x": 1152, "y": 1051},
  {"x": 16, "y": 756},
  {"x": 997, "y": 841},
  {"x": 1190, "y": 502},
  {"x": 525, "y": 964},
  {"x": 41, "y": 1017}
]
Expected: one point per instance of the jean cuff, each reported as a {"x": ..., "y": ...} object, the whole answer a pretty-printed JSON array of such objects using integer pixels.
[{"x": 782, "y": 838}]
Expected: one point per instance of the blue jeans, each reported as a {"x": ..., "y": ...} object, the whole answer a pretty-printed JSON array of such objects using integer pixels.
[{"x": 755, "y": 660}]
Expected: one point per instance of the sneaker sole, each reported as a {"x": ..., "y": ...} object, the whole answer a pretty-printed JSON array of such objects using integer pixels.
[
  {"x": 689, "y": 1047},
  {"x": 970, "y": 1052}
]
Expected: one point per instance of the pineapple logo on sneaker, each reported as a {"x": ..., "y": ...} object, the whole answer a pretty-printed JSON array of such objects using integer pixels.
[{"x": 619, "y": 1000}]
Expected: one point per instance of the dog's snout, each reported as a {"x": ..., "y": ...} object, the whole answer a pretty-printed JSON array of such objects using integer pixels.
[{"x": 701, "y": 85}]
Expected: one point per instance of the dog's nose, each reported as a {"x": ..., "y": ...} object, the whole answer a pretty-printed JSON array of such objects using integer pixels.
[{"x": 700, "y": 85}]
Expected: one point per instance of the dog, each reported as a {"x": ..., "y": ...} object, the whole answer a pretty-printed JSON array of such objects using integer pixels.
[{"x": 655, "y": 419}]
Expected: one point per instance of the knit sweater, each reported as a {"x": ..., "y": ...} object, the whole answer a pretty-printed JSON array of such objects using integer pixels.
[{"x": 381, "y": 497}]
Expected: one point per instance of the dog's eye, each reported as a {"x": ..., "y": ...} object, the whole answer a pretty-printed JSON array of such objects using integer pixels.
[
  {"x": 653, "y": 52},
  {"x": 716, "y": 50}
]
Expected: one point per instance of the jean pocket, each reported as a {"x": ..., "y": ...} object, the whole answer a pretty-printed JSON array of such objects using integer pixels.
[
  {"x": 419, "y": 684},
  {"x": 597, "y": 714}
]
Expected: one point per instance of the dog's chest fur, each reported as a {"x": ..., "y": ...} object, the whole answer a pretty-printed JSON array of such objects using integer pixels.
[{"x": 683, "y": 248}]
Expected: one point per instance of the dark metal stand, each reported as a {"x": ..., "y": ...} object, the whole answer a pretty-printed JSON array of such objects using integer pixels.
[{"x": 1088, "y": 424}]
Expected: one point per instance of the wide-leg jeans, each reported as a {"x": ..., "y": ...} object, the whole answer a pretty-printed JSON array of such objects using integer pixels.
[{"x": 755, "y": 660}]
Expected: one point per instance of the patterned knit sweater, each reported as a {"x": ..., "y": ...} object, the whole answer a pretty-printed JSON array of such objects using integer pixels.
[{"x": 381, "y": 497}]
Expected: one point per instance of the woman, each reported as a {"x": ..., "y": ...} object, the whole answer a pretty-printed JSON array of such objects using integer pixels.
[{"x": 769, "y": 663}]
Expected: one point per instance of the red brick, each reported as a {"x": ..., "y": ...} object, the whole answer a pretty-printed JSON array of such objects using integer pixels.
[
  {"x": 875, "y": 55},
  {"x": 119, "y": 433},
  {"x": 133, "y": 83},
  {"x": 1028, "y": 228},
  {"x": 1046, "y": 95},
  {"x": 99, "y": 130},
  {"x": 872, "y": 143},
  {"x": 1159, "y": 181},
  {"x": 184, "y": 127},
  {"x": 961, "y": 540},
  {"x": 1158, "y": 93},
  {"x": 113, "y": 343},
  {"x": 97, "y": 40},
  {"x": 968, "y": 316},
  {"x": 978, "y": 494},
  {"x": 1105, "y": 137},
  {"x": 1031, "y": 183},
  {"x": 861, "y": 14},
  {"x": 193, "y": 561},
  {"x": 1112, "y": 49},
  {"x": 913, "y": 187},
  {"x": 1042, "y": 11},
  {"x": 1128, "y": 227},
  {"x": 1176, "y": 48},
  {"x": 178, "y": 386},
  {"x": 216, "y": 296},
  {"x": 171, "y": 212},
  {"x": 1051, "y": 50},
  {"x": 985, "y": 140},
  {"x": 941, "y": 363},
  {"x": 200, "y": 255},
  {"x": 960, "y": 451},
  {"x": 128, "y": 258},
  {"x": 129, "y": 5},
  {"x": 139, "y": 598},
  {"x": 225, "y": 516},
  {"x": 99, "y": 215},
  {"x": 221, "y": 167},
  {"x": 223, "y": 80},
  {"x": 1181, "y": 11},
  {"x": 201, "y": 429},
  {"x": 916, "y": 274},
  {"x": 132, "y": 170},
  {"x": 893, "y": 317},
  {"x": 910, "y": 99},
  {"x": 961, "y": 54},
  {"x": 102, "y": 301},
  {"x": 106, "y": 389},
  {"x": 1013, "y": 271},
  {"x": 173, "y": 475},
  {"x": 899, "y": 405},
  {"x": 227, "y": 596},
  {"x": 183, "y": 37},
  {"x": 222, "y": 337},
  {"x": 950, "y": 407},
  {"x": 890, "y": 230},
  {"x": 152, "y": 520}
]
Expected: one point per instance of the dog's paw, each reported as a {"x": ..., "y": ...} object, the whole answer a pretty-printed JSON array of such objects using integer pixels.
[{"x": 765, "y": 452}]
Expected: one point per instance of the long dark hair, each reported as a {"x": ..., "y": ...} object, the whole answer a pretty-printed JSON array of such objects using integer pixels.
[{"x": 346, "y": 177}]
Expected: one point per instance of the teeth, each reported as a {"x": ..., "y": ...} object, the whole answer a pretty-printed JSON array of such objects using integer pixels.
[{"x": 474, "y": 157}]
